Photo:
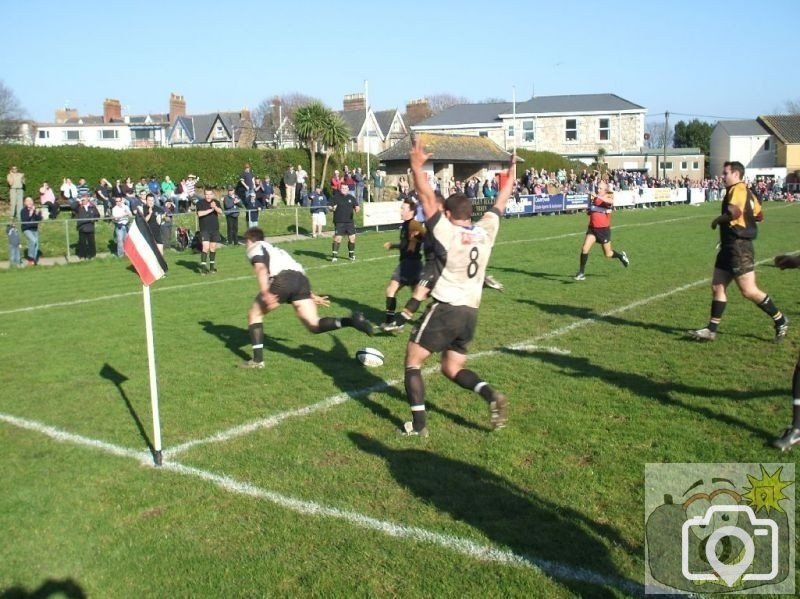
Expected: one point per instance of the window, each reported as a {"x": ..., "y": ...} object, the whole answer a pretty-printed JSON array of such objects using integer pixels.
[
  {"x": 605, "y": 129},
  {"x": 219, "y": 131},
  {"x": 766, "y": 146},
  {"x": 695, "y": 166},
  {"x": 666, "y": 165},
  {"x": 511, "y": 131},
  {"x": 571, "y": 130},
  {"x": 141, "y": 134},
  {"x": 527, "y": 130},
  {"x": 44, "y": 134},
  {"x": 108, "y": 134},
  {"x": 684, "y": 165},
  {"x": 72, "y": 135},
  {"x": 483, "y": 133}
]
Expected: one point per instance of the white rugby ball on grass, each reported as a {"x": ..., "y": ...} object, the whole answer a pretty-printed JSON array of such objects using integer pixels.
[{"x": 369, "y": 356}]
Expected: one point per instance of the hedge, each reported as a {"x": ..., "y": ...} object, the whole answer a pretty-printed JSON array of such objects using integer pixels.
[
  {"x": 550, "y": 161},
  {"x": 217, "y": 167}
]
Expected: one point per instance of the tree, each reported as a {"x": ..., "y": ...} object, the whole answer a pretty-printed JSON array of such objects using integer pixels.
[
  {"x": 695, "y": 134},
  {"x": 438, "y": 102},
  {"x": 793, "y": 106},
  {"x": 335, "y": 138},
  {"x": 266, "y": 113},
  {"x": 654, "y": 135},
  {"x": 11, "y": 113},
  {"x": 318, "y": 126}
]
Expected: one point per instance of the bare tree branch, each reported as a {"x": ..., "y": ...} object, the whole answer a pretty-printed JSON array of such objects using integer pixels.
[
  {"x": 11, "y": 112},
  {"x": 266, "y": 114},
  {"x": 438, "y": 102}
]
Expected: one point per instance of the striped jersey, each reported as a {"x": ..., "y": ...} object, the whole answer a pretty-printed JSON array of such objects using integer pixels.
[{"x": 274, "y": 258}]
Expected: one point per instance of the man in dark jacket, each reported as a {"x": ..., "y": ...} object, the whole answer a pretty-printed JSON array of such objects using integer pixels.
[
  {"x": 231, "y": 205},
  {"x": 87, "y": 215},
  {"x": 30, "y": 216}
]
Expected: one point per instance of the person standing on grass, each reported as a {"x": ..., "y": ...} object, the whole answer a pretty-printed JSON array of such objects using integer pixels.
[
  {"x": 208, "y": 211},
  {"x": 735, "y": 261},
  {"x": 319, "y": 210},
  {"x": 409, "y": 269},
  {"x": 152, "y": 216},
  {"x": 344, "y": 207},
  {"x": 13, "y": 244},
  {"x": 449, "y": 323},
  {"x": 231, "y": 204},
  {"x": 30, "y": 217},
  {"x": 282, "y": 280},
  {"x": 87, "y": 215},
  {"x": 16, "y": 189},
  {"x": 121, "y": 215},
  {"x": 599, "y": 229},
  {"x": 791, "y": 435}
]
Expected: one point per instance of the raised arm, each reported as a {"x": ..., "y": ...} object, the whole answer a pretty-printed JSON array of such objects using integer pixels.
[
  {"x": 418, "y": 157},
  {"x": 505, "y": 192}
]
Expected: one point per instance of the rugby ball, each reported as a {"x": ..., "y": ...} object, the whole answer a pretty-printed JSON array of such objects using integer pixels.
[{"x": 369, "y": 356}]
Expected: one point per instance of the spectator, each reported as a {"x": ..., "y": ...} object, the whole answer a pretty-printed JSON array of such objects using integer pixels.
[
  {"x": 358, "y": 177},
  {"x": 289, "y": 185},
  {"x": 269, "y": 193},
  {"x": 167, "y": 187},
  {"x": 13, "y": 244},
  {"x": 379, "y": 180},
  {"x": 336, "y": 182},
  {"x": 252, "y": 203},
  {"x": 48, "y": 200},
  {"x": 300, "y": 193},
  {"x": 231, "y": 205},
  {"x": 83, "y": 188},
  {"x": 16, "y": 184},
  {"x": 70, "y": 193},
  {"x": 166, "y": 221},
  {"x": 153, "y": 186},
  {"x": 103, "y": 195},
  {"x": 30, "y": 217},
  {"x": 121, "y": 215},
  {"x": 152, "y": 216},
  {"x": 247, "y": 179},
  {"x": 87, "y": 215},
  {"x": 140, "y": 187},
  {"x": 319, "y": 209},
  {"x": 128, "y": 186},
  {"x": 402, "y": 186}
]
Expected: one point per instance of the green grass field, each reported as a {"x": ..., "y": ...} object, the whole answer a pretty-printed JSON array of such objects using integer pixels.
[{"x": 321, "y": 496}]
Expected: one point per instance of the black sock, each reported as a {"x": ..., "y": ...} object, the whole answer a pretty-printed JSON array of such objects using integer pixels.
[
  {"x": 471, "y": 381},
  {"x": 796, "y": 397},
  {"x": 203, "y": 260},
  {"x": 717, "y": 310},
  {"x": 415, "y": 390},
  {"x": 616, "y": 254},
  {"x": 212, "y": 260},
  {"x": 257, "y": 340},
  {"x": 335, "y": 249},
  {"x": 768, "y": 306},
  {"x": 351, "y": 249},
  {"x": 330, "y": 324},
  {"x": 408, "y": 312},
  {"x": 584, "y": 259},
  {"x": 391, "y": 308}
]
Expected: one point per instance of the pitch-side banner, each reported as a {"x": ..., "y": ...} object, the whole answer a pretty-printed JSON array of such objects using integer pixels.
[{"x": 381, "y": 213}]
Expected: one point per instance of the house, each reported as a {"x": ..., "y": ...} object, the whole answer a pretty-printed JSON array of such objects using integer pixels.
[
  {"x": 747, "y": 141},
  {"x": 786, "y": 130},
  {"x": 576, "y": 126},
  {"x": 18, "y": 131},
  {"x": 215, "y": 129},
  {"x": 371, "y": 131},
  {"x": 675, "y": 163},
  {"x": 456, "y": 157}
]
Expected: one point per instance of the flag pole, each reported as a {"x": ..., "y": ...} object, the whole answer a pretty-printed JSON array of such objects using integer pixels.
[
  {"x": 366, "y": 121},
  {"x": 151, "y": 365}
]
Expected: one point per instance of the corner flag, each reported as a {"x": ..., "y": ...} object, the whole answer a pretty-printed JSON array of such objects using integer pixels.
[{"x": 141, "y": 250}]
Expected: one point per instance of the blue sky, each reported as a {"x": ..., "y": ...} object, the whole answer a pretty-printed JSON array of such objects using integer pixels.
[{"x": 732, "y": 59}]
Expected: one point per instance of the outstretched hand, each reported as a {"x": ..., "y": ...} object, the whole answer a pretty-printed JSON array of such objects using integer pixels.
[
  {"x": 320, "y": 300},
  {"x": 417, "y": 155}
]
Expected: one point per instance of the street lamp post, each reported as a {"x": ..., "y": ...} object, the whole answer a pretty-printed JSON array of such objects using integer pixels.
[{"x": 280, "y": 123}]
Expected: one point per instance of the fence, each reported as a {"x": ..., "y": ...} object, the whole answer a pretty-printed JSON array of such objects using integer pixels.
[{"x": 59, "y": 237}]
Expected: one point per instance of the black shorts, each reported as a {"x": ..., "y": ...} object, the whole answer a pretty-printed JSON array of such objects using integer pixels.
[
  {"x": 344, "y": 228},
  {"x": 156, "y": 234},
  {"x": 289, "y": 286},
  {"x": 737, "y": 257},
  {"x": 210, "y": 236},
  {"x": 602, "y": 235},
  {"x": 430, "y": 273},
  {"x": 445, "y": 327},
  {"x": 408, "y": 272}
]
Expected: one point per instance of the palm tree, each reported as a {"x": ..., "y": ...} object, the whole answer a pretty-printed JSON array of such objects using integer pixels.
[
  {"x": 312, "y": 122},
  {"x": 335, "y": 138}
]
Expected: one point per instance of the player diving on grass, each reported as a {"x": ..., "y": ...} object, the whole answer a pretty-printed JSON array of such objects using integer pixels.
[
  {"x": 449, "y": 323},
  {"x": 282, "y": 280}
]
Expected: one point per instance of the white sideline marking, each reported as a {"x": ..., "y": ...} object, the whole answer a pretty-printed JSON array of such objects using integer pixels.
[
  {"x": 103, "y": 298},
  {"x": 65, "y": 437},
  {"x": 329, "y": 402},
  {"x": 471, "y": 549}
]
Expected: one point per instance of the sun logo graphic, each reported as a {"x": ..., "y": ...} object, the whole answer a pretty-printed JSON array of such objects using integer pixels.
[{"x": 719, "y": 528}]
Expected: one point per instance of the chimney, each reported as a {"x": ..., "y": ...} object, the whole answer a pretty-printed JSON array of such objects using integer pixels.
[
  {"x": 112, "y": 110},
  {"x": 416, "y": 112},
  {"x": 354, "y": 102},
  {"x": 177, "y": 107},
  {"x": 63, "y": 114}
]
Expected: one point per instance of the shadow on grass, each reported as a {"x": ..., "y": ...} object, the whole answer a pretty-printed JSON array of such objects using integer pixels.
[
  {"x": 113, "y": 375},
  {"x": 661, "y": 392},
  {"x": 584, "y": 313},
  {"x": 189, "y": 265},
  {"x": 560, "y": 541},
  {"x": 313, "y": 254},
  {"x": 548, "y": 276},
  {"x": 374, "y": 315},
  {"x": 50, "y": 588}
]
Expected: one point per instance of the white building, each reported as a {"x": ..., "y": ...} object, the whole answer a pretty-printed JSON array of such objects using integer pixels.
[{"x": 745, "y": 141}]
